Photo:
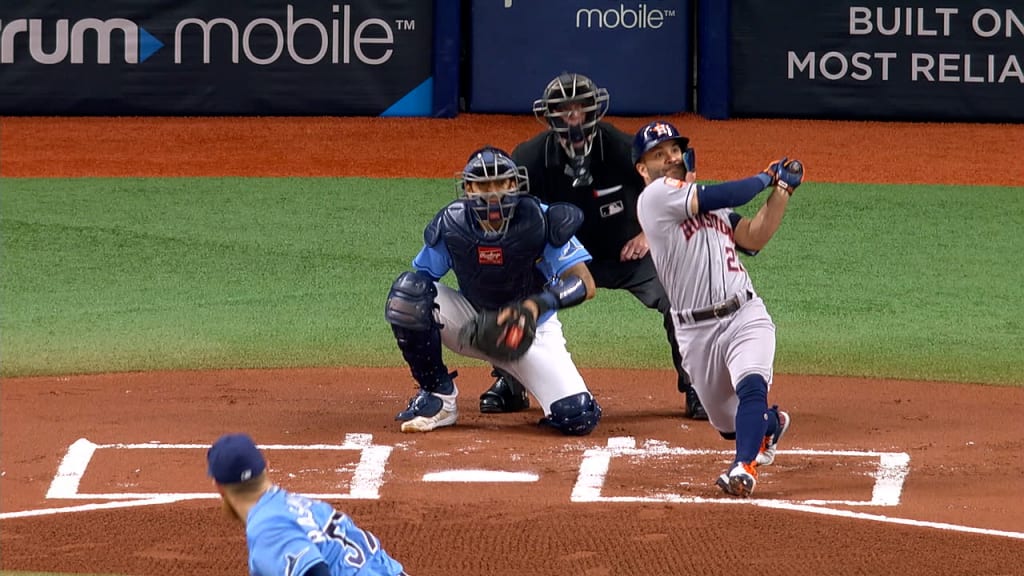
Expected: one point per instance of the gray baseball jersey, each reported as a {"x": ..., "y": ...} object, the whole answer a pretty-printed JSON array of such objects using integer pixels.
[{"x": 697, "y": 263}]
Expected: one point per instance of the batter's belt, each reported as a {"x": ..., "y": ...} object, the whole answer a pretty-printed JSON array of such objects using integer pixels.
[{"x": 718, "y": 310}]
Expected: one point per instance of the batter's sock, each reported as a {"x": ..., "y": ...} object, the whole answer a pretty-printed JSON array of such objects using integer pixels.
[
  {"x": 773, "y": 421},
  {"x": 751, "y": 417}
]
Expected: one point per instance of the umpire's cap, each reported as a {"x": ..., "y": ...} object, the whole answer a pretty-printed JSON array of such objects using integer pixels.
[
  {"x": 234, "y": 458},
  {"x": 653, "y": 134}
]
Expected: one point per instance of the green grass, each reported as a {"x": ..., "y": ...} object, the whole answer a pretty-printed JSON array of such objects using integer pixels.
[
  {"x": 137, "y": 274},
  {"x": 899, "y": 281}
]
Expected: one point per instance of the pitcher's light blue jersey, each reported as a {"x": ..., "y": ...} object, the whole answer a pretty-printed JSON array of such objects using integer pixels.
[{"x": 288, "y": 533}]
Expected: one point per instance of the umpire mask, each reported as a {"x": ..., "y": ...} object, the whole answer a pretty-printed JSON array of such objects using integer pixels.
[{"x": 572, "y": 106}]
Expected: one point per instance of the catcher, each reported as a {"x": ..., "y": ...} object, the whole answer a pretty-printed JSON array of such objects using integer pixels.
[{"x": 517, "y": 262}]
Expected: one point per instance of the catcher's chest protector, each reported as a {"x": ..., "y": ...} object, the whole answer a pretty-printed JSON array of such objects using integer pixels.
[{"x": 495, "y": 272}]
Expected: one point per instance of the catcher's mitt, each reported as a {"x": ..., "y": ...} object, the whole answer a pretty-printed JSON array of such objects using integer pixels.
[{"x": 508, "y": 340}]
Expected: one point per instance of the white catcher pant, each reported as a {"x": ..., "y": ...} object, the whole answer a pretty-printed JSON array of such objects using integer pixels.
[
  {"x": 546, "y": 370},
  {"x": 720, "y": 352}
]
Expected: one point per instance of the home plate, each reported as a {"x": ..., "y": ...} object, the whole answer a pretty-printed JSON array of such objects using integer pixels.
[{"x": 479, "y": 476}]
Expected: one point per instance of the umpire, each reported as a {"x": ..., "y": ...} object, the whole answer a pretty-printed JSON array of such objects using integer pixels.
[{"x": 587, "y": 162}]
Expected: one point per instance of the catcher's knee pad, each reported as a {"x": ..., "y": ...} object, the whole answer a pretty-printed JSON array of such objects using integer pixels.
[
  {"x": 575, "y": 415},
  {"x": 410, "y": 302},
  {"x": 410, "y": 310}
]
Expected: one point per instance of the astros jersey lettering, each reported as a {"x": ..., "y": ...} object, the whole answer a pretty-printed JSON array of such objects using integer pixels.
[
  {"x": 695, "y": 254},
  {"x": 288, "y": 533}
]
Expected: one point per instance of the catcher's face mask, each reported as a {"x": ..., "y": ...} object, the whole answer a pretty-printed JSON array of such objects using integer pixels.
[{"x": 493, "y": 182}]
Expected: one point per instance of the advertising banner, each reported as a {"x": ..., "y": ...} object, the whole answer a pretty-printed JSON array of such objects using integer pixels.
[
  {"x": 638, "y": 50},
  {"x": 883, "y": 60},
  {"x": 190, "y": 57}
]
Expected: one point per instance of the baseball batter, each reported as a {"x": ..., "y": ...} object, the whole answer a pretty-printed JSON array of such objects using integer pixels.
[
  {"x": 512, "y": 255},
  {"x": 725, "y": 332},
  {"x": 287, "y": 533}
]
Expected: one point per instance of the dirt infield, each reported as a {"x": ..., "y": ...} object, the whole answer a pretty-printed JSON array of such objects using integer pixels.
[{"x": 105, "y": 473}]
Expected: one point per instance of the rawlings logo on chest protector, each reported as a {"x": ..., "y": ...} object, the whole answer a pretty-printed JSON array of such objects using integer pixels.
[{"x": 490, "y": 255}]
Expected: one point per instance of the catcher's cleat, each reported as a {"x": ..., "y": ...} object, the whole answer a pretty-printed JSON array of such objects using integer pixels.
[
  {"x": 427, "y": 411},
  {"x": 506, "y": 395},
  {"x": 766, "y": 457},
  {"x": 694, "y": 409},
  {"x": 739, "y": 480}
]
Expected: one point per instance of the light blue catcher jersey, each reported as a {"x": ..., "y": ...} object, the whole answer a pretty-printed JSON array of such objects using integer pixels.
[
  {"x": 436, "y": 261},
  {"x": 288, "y": 533}
]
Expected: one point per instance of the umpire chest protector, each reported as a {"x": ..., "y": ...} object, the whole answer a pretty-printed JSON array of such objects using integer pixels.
[
  {"x": 493, "y": 271},
  {"x": 608, "y": 204}
]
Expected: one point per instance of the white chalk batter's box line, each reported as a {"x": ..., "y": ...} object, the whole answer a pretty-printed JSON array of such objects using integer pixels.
[
  {"x": 892, "y": 470},
  {"x": 365, "y": 485},
  {"x": 369, "y": 472},
  {"x": 368, "y": 477}
]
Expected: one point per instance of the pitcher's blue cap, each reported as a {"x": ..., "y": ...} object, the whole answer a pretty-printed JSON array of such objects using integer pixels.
[{"x": 234, "y": 458}]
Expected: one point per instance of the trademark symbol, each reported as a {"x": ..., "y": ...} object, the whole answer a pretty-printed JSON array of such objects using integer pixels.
[
  {"x": 670, "y": 13},
  {"x": 403, "y": 24}
]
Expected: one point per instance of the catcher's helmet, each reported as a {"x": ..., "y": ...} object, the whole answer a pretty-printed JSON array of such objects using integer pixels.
[
  {"x": 572, "y": 105},
  {"x": 653, "y": 134},
  {"x": 492, "y": 204}
]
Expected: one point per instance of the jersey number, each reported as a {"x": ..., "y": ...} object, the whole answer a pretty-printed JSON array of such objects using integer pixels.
[
  {"x": 732, "y": 262},
  {"x": 355, "y": 552}
]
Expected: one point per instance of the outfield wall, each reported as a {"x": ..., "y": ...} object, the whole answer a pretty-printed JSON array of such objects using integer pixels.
[
  {"x": 889, "y": 59},
  {"x": 252, "y": 57},
  {"x": 640, "y": 51}
]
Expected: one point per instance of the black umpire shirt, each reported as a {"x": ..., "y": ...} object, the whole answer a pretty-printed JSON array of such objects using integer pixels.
[{"x": 609, "y": 204}]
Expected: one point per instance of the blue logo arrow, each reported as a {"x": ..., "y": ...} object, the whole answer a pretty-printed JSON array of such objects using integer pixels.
[{"x": 148, "y": 44}]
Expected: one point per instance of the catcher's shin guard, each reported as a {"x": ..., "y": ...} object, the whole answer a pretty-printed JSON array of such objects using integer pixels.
[
  {"x": 410, "y": 310},
  {"x": 575, "y": 415},
  {"x": 422, "y": 351}
]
